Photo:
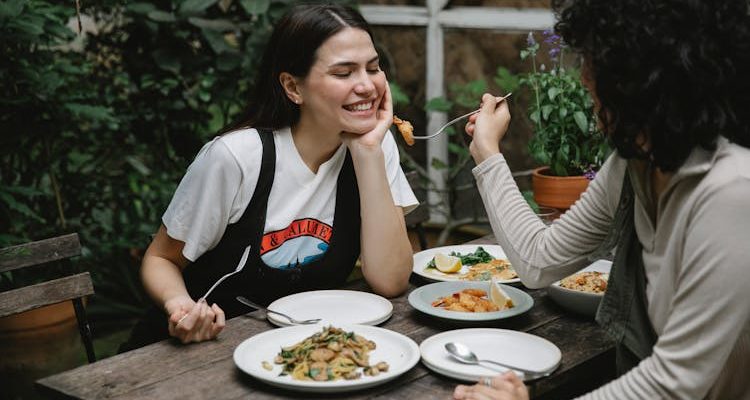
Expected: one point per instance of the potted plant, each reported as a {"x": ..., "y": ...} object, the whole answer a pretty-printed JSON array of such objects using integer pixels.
[{"x": 566, "y": 140}]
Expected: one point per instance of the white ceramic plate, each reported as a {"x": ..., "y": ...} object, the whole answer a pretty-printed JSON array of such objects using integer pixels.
[
  {"x": 580, "y": 302},
  {"x": 400, "y": 352},
  {"x": 334, "y": 307},
  {"x": 515, "y": 348},
  {"x": 422, "y": 298},
  {"x": 424, "y": 257}
]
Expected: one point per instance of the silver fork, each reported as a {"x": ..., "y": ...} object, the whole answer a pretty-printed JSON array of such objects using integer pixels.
[
  {"x": 453, "y": 121},
  {"x": 237, "y": 269},
  {"x": 247, "y": 302}
]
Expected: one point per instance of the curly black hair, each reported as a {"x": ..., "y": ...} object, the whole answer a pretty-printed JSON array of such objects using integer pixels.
[{"x": 675, "y": 71}]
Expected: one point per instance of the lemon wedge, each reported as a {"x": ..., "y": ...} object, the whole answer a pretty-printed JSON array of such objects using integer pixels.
[
  {"x": 499, "y": 297},
  {"x": 447, "y": 264}
]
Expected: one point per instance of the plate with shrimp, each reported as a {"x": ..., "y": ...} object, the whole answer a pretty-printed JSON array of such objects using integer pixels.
[
  {"x": 326, "y": 358},
  {"x": 470, "y": 301}
]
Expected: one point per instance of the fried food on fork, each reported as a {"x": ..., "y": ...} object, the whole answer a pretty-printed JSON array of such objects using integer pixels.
[{"x": 406, "y": 129}]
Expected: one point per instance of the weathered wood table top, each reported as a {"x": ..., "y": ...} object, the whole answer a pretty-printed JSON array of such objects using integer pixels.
[{"x": 169, "y": 370}]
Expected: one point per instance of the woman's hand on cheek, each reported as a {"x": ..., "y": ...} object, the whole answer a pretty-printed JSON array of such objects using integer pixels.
[{"x": 384, "y": 119}]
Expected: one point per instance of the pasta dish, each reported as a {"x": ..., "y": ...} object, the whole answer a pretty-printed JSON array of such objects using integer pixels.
[
  {"x": 590, "y": 282},
  {"x": 497, "y": 268},
  {"x": 329, "y": 355}
]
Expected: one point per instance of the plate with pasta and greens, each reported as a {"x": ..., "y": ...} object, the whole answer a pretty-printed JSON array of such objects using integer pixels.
[
  {"x": 325, "y": 358},
  {"x": 464, "y": 263}
]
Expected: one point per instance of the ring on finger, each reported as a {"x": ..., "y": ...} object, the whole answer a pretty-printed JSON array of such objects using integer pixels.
[{"x": 487, "y": 381}]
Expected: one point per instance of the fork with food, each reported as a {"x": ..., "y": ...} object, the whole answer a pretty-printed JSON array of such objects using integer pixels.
[{"x": 407, "y": 129}]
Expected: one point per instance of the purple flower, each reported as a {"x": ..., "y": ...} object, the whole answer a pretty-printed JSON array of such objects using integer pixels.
[
  {"x": 554, "y": 53},
  {"x": 550, "y": 37},
  {"x": 590, "y": 173},
  {"x": 530, "y": 40}
]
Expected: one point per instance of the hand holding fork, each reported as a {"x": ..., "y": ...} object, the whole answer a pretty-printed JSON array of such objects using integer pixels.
[
  {"x": 487, "y": 128},
  {"x": 198, "y": 321},
  {"x": 191, "y": 321}
]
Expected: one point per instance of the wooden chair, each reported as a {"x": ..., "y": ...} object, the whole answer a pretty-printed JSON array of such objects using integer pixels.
[
  {"x": 73, "y": 287},
  {"x": 419, "y": 215}
]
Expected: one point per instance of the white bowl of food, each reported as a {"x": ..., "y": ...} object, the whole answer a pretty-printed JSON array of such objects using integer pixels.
[{"x": 582, "y": 292}]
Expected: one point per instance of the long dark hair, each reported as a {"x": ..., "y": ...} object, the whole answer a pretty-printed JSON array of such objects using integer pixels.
[
  {"x": 672, "y": 70},
  {"x": 292, "y": 48}
]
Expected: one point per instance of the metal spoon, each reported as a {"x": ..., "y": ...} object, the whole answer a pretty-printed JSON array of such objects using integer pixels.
[
  {"x": 453, "y": 121},
  {"x": 247, "y": 302},
  {"x": 463, "y": 354}
]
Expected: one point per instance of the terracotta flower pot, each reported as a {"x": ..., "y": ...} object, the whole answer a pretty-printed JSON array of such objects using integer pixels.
[
  {"x": 557, "y": 191},
  {"x": 35, "y": 344}
]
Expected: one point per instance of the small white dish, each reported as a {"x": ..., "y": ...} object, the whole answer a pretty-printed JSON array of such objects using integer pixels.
[
  {"x": 422, "y": 298},
  {"x": 333, "y": 307},
  {"x": 400, "y": 352},
  {"x": 423, "y": 258},
  {"x": 519, "y": 349},
  {"x": 579, "y": 302}
]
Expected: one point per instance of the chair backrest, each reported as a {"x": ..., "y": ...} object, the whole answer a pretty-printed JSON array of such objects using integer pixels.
[
  {"x": 420, "y": 214},
  {"x": 73, "y": 287}
]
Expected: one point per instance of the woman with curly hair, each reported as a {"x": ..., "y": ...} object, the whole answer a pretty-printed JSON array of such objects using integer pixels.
[{"x": 670, "y": 86}]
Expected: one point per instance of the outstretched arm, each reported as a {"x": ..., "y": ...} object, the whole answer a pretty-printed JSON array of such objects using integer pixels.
[
  {"x": 386, "y": 250},
  {"x": 538, "y": 253}
]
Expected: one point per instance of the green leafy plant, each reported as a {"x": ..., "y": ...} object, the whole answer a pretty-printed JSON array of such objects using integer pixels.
[
  {"x": 565, "y": 130},
  {"x": 96, "y": 137}
]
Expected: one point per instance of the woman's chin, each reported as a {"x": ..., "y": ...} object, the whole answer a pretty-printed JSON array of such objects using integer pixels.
[{"x": 360, "y": 129}]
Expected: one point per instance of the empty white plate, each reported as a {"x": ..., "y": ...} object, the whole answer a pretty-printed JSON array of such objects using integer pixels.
[
  {"x": 522, "y": 350},
  {"x": 334, "y": 307},
  {"x": 400, "y": 352}
]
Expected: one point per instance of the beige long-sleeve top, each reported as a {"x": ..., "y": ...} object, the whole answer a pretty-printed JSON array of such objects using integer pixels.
[{"x": 696, "y": 253}]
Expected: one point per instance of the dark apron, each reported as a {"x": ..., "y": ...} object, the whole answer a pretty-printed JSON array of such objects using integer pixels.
[
  {"x": 257, "y": 280},
  {"x": 623, "y": 311}
]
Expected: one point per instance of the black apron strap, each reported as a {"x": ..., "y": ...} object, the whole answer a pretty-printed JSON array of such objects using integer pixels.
[
  {"x": 247, "y": 231},
  {"x": 336, "y": 264},
  {"x": 201, "y": 274},
  {"x": 623, "y": 312}
]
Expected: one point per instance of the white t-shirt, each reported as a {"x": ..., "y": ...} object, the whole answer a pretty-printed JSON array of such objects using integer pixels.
[{"x": 220, "y": 182}]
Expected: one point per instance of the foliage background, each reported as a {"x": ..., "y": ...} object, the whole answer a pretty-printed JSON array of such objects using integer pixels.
[
  {"x": 95, "y": 134},
  {"x": 95, "y": 138}
]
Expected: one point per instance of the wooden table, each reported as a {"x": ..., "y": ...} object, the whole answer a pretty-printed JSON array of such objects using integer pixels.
[{"x": 169, "y": 370}]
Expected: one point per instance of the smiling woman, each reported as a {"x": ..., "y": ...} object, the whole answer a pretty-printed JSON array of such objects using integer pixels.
[{"x": 306, "y": 178}]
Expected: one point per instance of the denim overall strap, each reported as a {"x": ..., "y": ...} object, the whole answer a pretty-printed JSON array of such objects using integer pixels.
[{"x": 623, "y": 312}]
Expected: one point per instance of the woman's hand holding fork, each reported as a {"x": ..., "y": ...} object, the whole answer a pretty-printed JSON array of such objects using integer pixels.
[
  {"x": 191, "y": 321},
  {"x": 487, "y": 128}
]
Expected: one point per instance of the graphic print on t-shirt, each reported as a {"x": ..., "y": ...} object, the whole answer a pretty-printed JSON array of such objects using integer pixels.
[{"x": 302, "y": 242}]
